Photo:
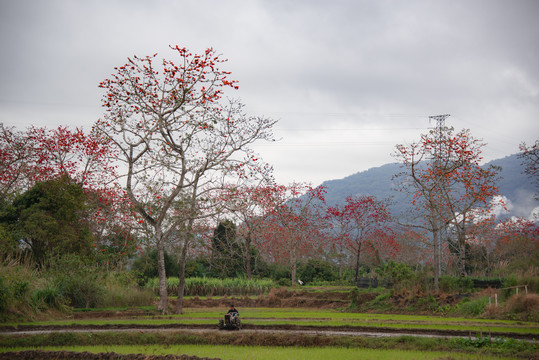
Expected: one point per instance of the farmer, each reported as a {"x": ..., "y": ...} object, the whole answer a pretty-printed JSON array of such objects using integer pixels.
[
  {"x": 231, "y": 321},
  {"x": 232, "y": 311}
]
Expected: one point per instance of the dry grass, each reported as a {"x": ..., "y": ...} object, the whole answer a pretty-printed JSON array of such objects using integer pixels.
[{"x": 525, "y": 306}]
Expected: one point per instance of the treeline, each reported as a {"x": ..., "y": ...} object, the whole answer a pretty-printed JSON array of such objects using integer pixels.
[
  {"x": 46, "y": 216},
  {"x": 173, "y": 171}
]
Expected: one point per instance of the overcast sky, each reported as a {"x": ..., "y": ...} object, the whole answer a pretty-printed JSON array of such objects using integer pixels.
[{"x": 347, "y": 80}]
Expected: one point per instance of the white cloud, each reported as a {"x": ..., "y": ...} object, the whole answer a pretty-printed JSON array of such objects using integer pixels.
[
  {"x": 347, "y": 79},
  {"x": 501, "y": 205}
]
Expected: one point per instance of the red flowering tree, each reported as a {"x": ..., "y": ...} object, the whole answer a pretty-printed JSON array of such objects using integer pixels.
[
  {"x": 248, "y": 204},
  {"x": 294, "y": 224},
  {"x": 412, "y": 245},
  {"x": 482, "y": 240},
  {"x": 15, "y": 153},
  {"x": 85, "y": 158},
  {"x": 517, "y": 244},
  {"x": 468, "y": 190},
  {"x": 39, "y": 155},
  {"x": 449, "y": 186},
  {"x": 177, "y": 139},
  {"x": 363, "y": 221}
]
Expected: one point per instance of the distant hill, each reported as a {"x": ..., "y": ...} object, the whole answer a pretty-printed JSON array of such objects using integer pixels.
[
  {"x": 516, "y": 186},
  {"x": 379, "y": 182}
]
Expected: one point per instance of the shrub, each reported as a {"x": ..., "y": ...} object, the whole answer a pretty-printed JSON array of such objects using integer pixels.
[
  {"x": 531, "y": 280},
  {"x": 508, "y": 283},
  {"x": 121, "y": 290},
  {"x": 278, "y": 272},
  {"x": 16, "y": 284},
  {"x": 77, "y": 279},
  {"x": 400, "y": 275},
  {"x": 453, "y": 284},
  {"x": 523, "y": 306},
  {"x": 5, "y": 296},
  {"x": 428, "y": 303},
  {"x": 318, "y": 270},
  {"x": 87, "y": 285},
  {"x": 80, "y": 291},
  {"x": 382, "y": 301},
  {"x": 63, "y": 281},
  {"x": 474, "y": 307},
  {"x": 48, "y": 297},
  {"x": 20, "y": 289},
  {"x": 284, "y": 282},
  {"x": 197, "y": 268},
  {"x": 354, "y": 298}
]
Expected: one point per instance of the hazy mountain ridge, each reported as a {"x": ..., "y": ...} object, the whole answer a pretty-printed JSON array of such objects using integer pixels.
[{"x": 378, "y": 181}]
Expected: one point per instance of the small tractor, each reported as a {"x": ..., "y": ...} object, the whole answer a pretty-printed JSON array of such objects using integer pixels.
[{"x": 230, "y": 322}]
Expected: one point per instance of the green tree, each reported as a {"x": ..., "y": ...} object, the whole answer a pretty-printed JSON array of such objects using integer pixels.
[
  {"x": 227, "y": 259},
  {"x": 47, "y": 219},
  {"x": 318, "y": 270},
  {"x": 145, "y": 267}
]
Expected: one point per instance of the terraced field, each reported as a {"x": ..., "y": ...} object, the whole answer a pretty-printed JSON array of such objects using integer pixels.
[{"x": 267, "y": 333}]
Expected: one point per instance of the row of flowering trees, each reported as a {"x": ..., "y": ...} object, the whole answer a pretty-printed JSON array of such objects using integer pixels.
[
  {"x": 285, "y": 223},
  {"x": 186, "y": 157},
  {"x": 290, "y": 224},
  {"x": 56, "y": 186},
  {"x": 172, "y": 156}
]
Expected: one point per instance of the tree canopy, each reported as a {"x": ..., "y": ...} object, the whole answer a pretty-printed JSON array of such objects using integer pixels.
[{"x": 48, "y": 219}]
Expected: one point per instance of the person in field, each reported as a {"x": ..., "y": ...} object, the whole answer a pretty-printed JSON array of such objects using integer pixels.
[
  {"x": 232, "y": 320},
  {"x": 232, "y": 311}
]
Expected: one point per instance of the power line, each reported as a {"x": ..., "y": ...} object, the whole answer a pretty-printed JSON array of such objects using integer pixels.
[{"x": 351, "y": 129}]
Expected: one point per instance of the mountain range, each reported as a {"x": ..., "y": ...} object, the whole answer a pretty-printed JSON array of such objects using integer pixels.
[{"x": 514, "y": 185}]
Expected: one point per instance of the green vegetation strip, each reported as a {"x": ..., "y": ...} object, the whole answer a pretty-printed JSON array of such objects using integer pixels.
[
  {"x": 320, "y": 318},
  {"x": 227, "y": 352},
  {"x": 165, "y": 341},
  {"x": 210, "y": 286}
]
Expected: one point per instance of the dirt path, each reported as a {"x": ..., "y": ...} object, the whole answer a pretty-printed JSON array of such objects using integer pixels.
[
  {"x": 260, "y": 329},
  {"x": 253, "y": 331}
]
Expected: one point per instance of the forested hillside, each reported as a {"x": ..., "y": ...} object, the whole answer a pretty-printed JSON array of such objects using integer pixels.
[{"x": 379, "y": 182}]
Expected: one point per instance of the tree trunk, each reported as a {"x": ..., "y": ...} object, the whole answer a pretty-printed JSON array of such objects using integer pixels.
[
  {"x": 293, "y": 266},
  {"x": 436, "y": 249},
  {"x": 181, "y": 285},
  {"x": 248, "y": 255},
  {"x": 163, "y": 294},
  {"x": 462, "y": 253},
  {"x": 357, "y": 261}
]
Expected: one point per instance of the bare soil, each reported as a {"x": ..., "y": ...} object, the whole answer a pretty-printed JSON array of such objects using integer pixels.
[{"x": 252, "y": 328}]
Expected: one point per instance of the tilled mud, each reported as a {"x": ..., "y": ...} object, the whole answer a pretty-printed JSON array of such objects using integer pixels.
[
  {"x": 250, "y": 335},
  {"x": 70, "y": 355},
  {"x": 247, "y": 328}
]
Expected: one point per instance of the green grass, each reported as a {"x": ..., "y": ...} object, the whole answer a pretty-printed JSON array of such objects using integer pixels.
[
  {"x": 270, "y": 353},
  {"x": 323, "y": 289},
  {"x": 318, "y": 318},
  {"x": 163, "y": 339},
  {"x": 149, "y": 308},
  {"x": 210, "y": 286}
]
